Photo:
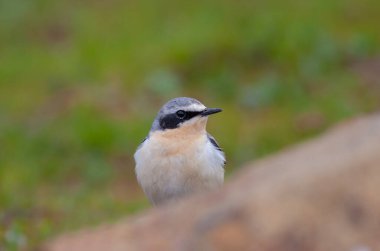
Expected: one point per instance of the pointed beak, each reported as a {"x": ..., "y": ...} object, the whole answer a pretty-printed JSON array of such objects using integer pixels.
[{"x": 209, "y": 111}]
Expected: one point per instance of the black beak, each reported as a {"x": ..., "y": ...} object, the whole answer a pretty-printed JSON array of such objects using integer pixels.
[{"x": 209, "y": 111}]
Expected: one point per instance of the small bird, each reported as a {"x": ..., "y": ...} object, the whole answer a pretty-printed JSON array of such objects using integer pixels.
[{"x": 179, "y": 157}]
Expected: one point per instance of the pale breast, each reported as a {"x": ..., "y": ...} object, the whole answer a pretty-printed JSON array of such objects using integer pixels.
[{"x": 168, "y": 169}]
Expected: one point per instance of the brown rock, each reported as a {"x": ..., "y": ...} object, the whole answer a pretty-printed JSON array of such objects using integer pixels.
[{"x": 321, "y": 195}]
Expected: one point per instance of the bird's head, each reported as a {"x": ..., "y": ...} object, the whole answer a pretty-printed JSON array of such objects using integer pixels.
[{"x": 183, "y": 114}]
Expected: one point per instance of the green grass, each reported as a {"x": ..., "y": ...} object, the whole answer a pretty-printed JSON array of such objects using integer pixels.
[{"x": 81, "y": 81}]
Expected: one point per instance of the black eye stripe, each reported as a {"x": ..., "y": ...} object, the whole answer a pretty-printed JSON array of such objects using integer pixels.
[
  {"x": 190, "y": 115},
  {"x": 181, "y": 114},
  {"x": 171, "y": 121}
]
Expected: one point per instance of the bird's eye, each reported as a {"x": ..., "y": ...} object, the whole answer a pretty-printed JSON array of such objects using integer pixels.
[{"x": 181, "y": 114}]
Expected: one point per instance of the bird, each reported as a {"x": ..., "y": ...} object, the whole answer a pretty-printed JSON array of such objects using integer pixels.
[{"x": 179, "y": 157}]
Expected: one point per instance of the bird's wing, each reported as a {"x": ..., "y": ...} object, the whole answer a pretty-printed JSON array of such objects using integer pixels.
[
  {"x": 142, "y": 143},
  {"x": 213, "y": 141}
]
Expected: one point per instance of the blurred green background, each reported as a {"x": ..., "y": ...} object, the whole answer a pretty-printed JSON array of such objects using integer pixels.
[{"x": 81, "y": 81}]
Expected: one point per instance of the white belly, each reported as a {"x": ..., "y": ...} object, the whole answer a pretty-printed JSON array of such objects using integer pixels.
[{"x": 169, "y": 171}]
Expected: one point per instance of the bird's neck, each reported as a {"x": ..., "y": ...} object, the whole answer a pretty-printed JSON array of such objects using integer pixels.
[{"x": 191, "y": 129}]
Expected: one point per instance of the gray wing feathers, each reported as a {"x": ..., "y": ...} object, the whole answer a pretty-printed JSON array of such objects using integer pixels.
[
  {"x": 142, "y": 143},
  {"x": 213, "y": 141}
]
